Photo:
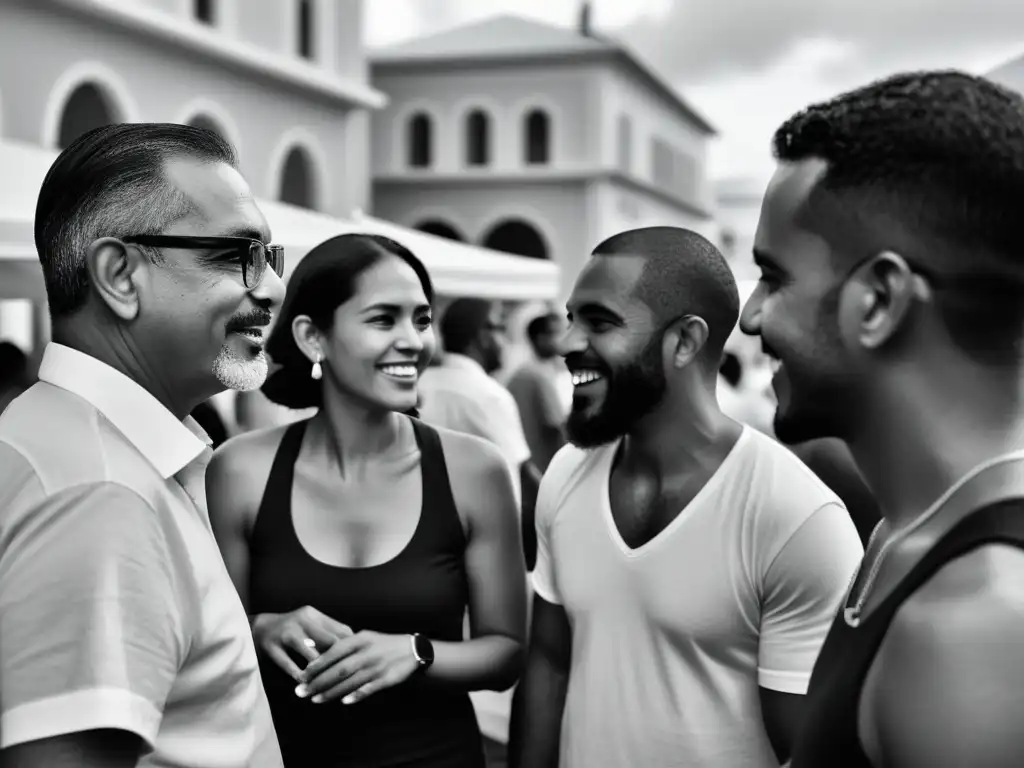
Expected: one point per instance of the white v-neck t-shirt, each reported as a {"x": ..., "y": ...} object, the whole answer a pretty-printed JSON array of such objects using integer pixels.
[{"x": 671, "y": 641}]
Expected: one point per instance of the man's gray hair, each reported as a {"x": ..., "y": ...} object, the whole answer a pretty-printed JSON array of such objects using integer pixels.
[{"x": 110, "y": 182}]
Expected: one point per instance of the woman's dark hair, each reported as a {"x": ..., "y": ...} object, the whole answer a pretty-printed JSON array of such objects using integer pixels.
[{"x": 322, "y": 281}]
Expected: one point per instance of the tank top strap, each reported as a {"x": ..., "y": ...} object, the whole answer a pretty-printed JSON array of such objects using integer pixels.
[
  {"x": 1001, "y": 522},
  {"x": 439, "y": 509},
  {"x": 273, "y": 520}
]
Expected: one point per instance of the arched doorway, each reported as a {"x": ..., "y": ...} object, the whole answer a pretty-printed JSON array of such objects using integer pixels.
[
  {"x": 86, "y": 108},
  {"x": 297, "y": 179},
  {"x": 440, "y": 228},
  {"x": 518, "y": 237}
]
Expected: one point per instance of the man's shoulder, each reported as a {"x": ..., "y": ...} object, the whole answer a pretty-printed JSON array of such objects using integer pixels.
[
  {"x": 69, "y": 443},
  {"x": 784, "y": 480},
  {"x": 529, "y": 373},
  {"x": 482, "y": 397},
  {"x": 569, "y": 470},
  {"x": 986, "y": 583},
  {"x": 779, "y": 497},
  {"x": 951, "y": 652},
  {"x": 58, "y": 434}
]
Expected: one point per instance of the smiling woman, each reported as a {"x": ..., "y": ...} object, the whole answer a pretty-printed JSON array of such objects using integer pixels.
[
  {"x": 322, "y": 307},
  {"x": 386, "y": 529}
]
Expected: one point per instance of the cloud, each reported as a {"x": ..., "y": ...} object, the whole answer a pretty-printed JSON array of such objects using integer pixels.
[
  {"x": 749, "y": 64},
  {"x": 705, "y": 40},
  {"x": 389, "y": 21}
]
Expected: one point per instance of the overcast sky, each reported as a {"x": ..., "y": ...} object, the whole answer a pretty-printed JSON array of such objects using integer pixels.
[{"x": 748, "y": 64}]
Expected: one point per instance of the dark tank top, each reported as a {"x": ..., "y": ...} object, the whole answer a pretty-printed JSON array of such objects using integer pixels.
[
  {"x": 829, "y": 737},
  {"x": 424, "y": 589}
]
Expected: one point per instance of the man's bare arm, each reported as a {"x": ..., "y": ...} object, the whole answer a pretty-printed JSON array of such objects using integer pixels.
[
  {"x": 86, "y": 749},
  {"x": 539, "y": 701}
]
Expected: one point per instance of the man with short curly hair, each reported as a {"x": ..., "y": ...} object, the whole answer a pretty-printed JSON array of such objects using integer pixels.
[{"x": 892, "y": 300}]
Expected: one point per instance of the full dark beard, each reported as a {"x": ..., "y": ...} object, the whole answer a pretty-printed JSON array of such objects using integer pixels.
[{"x": 632, "y": 392}]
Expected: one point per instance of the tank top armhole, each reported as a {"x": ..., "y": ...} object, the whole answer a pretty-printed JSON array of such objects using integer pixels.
[
  {"x": 438, "y": 497},
  {"x": 276, "y": 500}
]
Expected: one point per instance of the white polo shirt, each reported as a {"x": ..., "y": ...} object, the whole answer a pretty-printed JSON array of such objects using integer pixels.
[
  {"x": 461, "y": 396},
  {"x": 116, "y": 609},
  {"x": 671, "y": 641}
]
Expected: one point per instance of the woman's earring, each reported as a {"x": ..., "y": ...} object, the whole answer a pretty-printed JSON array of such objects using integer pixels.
[{"x": 317, "y": 372}]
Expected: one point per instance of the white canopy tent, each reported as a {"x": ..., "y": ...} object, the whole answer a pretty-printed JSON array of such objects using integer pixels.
[{"x": 458, "y": 269}]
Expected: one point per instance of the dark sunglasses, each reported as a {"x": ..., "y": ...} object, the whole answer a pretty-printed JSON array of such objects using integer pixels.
[{"x": 254, "y": 256}]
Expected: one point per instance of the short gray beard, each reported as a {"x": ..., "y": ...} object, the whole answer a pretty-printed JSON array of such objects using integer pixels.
[{"x": 238, "y": 373}]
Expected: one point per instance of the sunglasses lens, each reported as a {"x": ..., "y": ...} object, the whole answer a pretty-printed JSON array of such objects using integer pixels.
[
  {"x": 255, "y": 265},
  {"x": 275, "y": 259}
]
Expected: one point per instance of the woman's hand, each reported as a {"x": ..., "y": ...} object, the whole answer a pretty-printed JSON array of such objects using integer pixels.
[
  {"x": 304, "y": 631},
  {"x": 359, "y": 666}
]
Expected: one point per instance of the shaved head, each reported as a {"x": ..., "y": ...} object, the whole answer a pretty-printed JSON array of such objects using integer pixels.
[{"x": 683, "y": 274}]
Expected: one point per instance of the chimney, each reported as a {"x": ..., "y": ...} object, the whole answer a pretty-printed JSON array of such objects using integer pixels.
[{"x": 585, "y": 19}]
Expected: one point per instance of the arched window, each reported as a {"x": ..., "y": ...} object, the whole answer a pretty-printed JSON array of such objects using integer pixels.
[
  {"x": 517, "y": 237},
  {"x": 478, "y": 138},
  {"x": 440, "y": 228},
  {"x": 538, "y": 137},
  {"x": 85, "y": 109},
  {"x": 297, "y": 179},
  {"x": 420, "y": 140},
  {"x": 305, "y": 29},
  {"x": 203, "y": 11}
]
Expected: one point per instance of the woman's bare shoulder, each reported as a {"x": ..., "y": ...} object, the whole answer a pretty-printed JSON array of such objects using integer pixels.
[
  {"x": 239, "y": 469},
  {"x": 471, "y": 454},
  {"x": 250, "y": 446},
  {"x": 480, "y": 477}
]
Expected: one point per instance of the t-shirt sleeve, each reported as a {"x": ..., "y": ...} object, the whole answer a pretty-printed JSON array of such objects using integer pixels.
[
  {"x": 803, "y": 589},
  {"x": 90, "y": 617},
  {"x": 543, "y": 574}
]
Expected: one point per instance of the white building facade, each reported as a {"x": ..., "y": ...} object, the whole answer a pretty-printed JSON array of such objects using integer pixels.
[
  {"x": 286, "y": 81},
  {"x": 534, "y": 140}
]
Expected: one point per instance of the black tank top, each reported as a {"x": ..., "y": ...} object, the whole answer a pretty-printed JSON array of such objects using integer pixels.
[
  {"x": 829, "y": 738},
  {"x": 424, "y": 589}
]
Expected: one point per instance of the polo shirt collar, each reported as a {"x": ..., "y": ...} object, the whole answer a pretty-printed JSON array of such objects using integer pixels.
[{"x": 168, "y": 444}]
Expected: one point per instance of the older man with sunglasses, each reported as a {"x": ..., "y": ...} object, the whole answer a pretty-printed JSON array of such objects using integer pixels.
[{"x": 123, "y": 640}]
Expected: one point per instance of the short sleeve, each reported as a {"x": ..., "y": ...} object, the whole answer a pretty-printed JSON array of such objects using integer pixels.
[
  {"x": 90, "y": 618},
  {"x": 543, "y": 574},
  {"x": 803, "y": 589}
]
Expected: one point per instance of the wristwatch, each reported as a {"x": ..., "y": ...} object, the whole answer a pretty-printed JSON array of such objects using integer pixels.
[{"x": 423, "y": 650}]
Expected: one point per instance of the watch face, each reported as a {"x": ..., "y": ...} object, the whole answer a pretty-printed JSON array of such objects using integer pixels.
[{"x": 424, "y": 649}]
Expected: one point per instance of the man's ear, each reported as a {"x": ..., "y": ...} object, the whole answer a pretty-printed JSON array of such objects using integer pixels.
[
  {"x": 886, "y": 290},
  {"x": 684, "y": 339},
  {"x": 116, "y": 273}
]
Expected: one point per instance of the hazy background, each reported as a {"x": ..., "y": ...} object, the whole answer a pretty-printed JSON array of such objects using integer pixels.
[{"x": 748, "y": 64}]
